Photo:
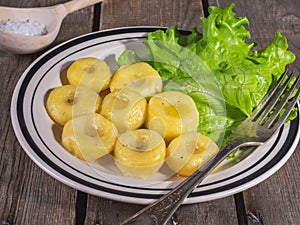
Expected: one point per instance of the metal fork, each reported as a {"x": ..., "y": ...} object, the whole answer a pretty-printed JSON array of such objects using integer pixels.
[{"x": 254, "y": 131}]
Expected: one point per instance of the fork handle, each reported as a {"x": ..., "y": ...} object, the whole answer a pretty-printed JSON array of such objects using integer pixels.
[{"x": 160, "y": 211}]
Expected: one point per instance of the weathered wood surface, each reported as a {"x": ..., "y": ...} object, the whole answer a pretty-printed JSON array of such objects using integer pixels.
[
  {"x": 276, "y": 200},
  {"x": 27, "y": 194},
  {"x": 30, "y": 196},
  {"x": 184, "y": 13}
]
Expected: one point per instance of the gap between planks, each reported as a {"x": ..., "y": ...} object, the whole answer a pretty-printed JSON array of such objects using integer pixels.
[
  {"x": 240, "y": 209},
  {"x": 81, "y": 201}
]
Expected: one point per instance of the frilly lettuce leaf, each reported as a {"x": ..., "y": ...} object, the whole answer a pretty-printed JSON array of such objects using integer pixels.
[{"x": 218, "y": 68}]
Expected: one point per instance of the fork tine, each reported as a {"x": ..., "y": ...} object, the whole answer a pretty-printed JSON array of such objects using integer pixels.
[
  {"x": 287, "y": 111},
  {"x": 274, "y": 99},
  {"x": 269, "y": 95}
]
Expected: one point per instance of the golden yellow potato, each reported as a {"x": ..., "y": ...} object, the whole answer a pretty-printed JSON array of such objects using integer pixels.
[
  {"x": 89, "y": 72},
  {"x": 171, "y": 114},
  {"x": 68, "y": 101},
  {"x": 89, "y": 137},
  {"x": 125, "y": 108},
  {"x": 189, "y": 151},
  {"x": 139, "y": 77},
  {"x": 139, "y": 153}
]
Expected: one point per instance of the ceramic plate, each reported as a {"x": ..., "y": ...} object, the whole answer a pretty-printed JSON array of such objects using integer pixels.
[{"x": 38, "y": 135}]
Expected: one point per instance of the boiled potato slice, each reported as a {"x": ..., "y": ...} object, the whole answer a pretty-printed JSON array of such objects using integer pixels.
[
  {"x": 189, "y": 151},
  {"x": 139, "y": 77},
  {"x": 139, "y": 153},
  {"x": 68, "y": 101},
  {"x": 89, "y": 72},
  {"x": 171, "y": 114},
  {"x": 125, "y": 108},
  {"x": 89, "y": 137}
]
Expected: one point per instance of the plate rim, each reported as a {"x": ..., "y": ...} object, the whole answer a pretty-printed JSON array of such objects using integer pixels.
[{"x": 63, "y": 46}]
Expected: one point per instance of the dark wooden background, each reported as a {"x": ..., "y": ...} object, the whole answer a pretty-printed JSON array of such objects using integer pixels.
[{"x": 30, "y": 196}]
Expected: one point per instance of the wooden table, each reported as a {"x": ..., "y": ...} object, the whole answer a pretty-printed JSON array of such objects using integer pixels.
[{"x": 30, "y": 196}]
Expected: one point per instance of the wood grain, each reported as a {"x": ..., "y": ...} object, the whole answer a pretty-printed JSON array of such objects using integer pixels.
[
  {"x": 219, "y": 212},
  {"x": 25, "y": 188},
  {"x": 29, "y": 195},
  {"x": 183, "y": 13},
  {"x": 276, "y": 200}
]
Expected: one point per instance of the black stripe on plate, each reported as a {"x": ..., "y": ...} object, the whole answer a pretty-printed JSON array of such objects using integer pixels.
[
  {"x": 35, "y": 148},
  {"x": 294, "y": 127},
  {"x": 125, "y": 186},
  {"x": 253, "y": 165},
  {"x": 49, "y": 149},
  {"x": 72, "y": 43},
  {"x": 30, "y": 141}
]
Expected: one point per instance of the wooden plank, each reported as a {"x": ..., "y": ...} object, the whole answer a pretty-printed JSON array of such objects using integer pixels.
[
  {"x": 29, "y": 195},
  {"x": 218, "y": 212},
  {"x": 276, "y": 200},
  {"x": 75, "y": 24},
  {"x": 185, "y": 14},
  {"x": 150, "y": 13}
]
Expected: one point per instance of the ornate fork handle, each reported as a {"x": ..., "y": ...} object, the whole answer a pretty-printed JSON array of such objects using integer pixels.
[{"x": 159, "y": 212}]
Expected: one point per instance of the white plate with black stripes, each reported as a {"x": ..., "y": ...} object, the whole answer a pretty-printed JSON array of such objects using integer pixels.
[{"x": 39, "y": 136}]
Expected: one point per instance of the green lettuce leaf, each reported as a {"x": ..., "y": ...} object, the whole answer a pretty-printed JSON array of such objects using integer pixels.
[{"x": 218, "y": 68}]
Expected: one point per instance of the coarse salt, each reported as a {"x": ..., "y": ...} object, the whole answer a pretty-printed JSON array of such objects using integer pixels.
[{"x": 28, "y": 27}]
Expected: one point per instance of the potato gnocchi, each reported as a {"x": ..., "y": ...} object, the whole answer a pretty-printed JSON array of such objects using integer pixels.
[{"x": 141, "y": 126}]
